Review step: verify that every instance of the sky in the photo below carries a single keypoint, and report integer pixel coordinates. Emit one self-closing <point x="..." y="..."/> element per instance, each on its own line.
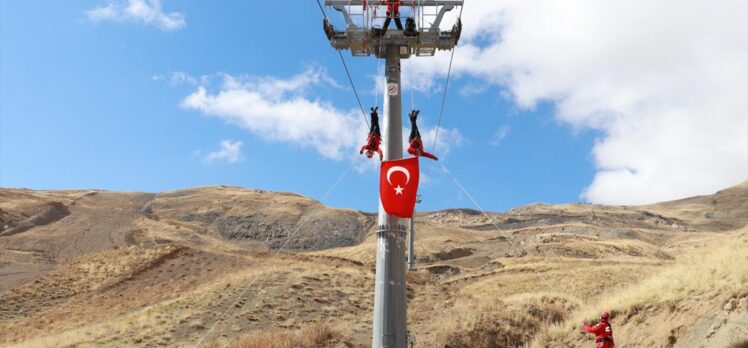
<point x="628" y="102"/>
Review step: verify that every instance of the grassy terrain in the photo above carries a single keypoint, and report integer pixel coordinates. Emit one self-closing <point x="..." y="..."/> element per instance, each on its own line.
<point x="171" y="268"/>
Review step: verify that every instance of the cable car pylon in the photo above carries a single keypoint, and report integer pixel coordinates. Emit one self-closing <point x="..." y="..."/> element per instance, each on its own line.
<point x="363" y="38"/>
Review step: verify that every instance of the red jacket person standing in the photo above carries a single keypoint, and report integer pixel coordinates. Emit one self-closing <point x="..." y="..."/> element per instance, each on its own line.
<point x="393" y="11"/>
<point x="603" y="332"/>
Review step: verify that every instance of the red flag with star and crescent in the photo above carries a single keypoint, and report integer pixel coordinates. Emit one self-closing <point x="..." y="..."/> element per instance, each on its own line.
<point x="398" y="185"/>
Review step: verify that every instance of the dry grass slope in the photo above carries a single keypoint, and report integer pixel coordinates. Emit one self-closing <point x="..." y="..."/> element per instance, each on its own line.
<point x="714" y="270"/>
<point x="153" y="270"/>
<point x="311" y="336"/>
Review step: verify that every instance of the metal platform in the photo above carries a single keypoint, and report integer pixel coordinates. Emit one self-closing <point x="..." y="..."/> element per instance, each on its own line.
<point x="361" y="23"/>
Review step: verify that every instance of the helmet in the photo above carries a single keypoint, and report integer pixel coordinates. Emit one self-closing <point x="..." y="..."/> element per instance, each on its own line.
<point x="604" y="315"/>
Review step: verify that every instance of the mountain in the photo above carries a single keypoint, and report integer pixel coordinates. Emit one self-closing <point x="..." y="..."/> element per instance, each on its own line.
<point x="93" y="268"/>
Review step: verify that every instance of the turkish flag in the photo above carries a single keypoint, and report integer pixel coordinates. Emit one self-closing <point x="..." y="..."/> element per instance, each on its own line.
<point x="398" y="185"/>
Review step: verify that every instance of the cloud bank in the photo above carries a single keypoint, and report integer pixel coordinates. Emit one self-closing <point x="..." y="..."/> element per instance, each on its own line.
<point x="148" y="12"/>
<point x="665" y="83"/>
<point x="282" y="110"/>
<point x="279" y="110"/>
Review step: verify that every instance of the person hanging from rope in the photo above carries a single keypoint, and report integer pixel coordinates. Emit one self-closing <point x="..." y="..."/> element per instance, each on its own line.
<point x="416" y="145"/>
<point x="375" y="137"/>
<point x="393" y="11"/>
<point x="603" y="331"/>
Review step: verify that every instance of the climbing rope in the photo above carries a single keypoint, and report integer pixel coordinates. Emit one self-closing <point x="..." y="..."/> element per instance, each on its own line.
<point x="348" y="73"/>
<point x="457" y="182"/>
<point x="503" y="234"/>
<point x="446" y="85"/>
<point x="376" y="83"/>
<point x="410" y="82"/>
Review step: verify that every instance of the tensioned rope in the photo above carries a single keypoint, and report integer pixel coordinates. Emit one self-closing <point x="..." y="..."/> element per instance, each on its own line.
<point x="363" y="113"/>
<point x="376" y="83"/>
<point x="457" y="182"/>
<point x="269" y="261"/>
<point x="508" y="239"/>
<point x="446" y="85"/>
<point x="348" y="73"/>
<point x="412" y="97"/>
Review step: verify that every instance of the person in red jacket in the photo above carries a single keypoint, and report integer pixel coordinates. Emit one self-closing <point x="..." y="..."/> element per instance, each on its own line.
<point x="393" y="11"/>
<point x="416" y="145"/>
<point x="375" y="137"/>
<point x="603" y="332"/>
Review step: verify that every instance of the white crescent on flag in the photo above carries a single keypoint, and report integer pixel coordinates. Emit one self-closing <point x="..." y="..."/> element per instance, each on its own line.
<point x="398" y="169"/>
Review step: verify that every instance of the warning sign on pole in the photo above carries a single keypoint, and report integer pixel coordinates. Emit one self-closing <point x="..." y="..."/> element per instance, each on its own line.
<point x="392" y="89"/>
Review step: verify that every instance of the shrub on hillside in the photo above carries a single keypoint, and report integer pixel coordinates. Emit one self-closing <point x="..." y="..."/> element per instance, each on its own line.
<point x="311" y="336"/>
<point x="503" y="325"/>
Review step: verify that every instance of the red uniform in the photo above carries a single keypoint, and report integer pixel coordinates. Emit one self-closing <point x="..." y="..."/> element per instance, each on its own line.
<point x="603" y="332"/>
<point x="393" y="6"/>
<point x="416" y="145"/>
<point x="416" y="149"/>
<point x="371" y="146"/>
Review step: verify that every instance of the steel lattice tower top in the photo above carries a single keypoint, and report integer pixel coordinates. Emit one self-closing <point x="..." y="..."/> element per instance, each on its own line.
<point x="360" y="16"/>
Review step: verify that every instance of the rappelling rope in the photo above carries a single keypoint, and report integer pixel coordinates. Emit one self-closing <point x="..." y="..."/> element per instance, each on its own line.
<point x="269" y="262"/>
<point x="457" y="182"/>
<point x="446" y="85"/>
<point x="363" y="113"/>
<point x="348" y="73"/>
<point x="410" y="82"/>
<point x="376" y="83"/>
<point x="507" y="237"/>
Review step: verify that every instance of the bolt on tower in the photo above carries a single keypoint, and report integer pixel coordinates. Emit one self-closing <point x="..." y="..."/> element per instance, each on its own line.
<point x="421" y="36"/>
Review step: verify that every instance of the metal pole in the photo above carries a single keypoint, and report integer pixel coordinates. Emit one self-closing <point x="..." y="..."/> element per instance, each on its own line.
<point x="390" y="321"/>
<point x="411" y="239"/>
<point x="411" y="253"/>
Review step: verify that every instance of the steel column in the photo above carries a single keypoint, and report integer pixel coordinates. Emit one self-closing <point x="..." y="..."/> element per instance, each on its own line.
<point x="390" y="329"/>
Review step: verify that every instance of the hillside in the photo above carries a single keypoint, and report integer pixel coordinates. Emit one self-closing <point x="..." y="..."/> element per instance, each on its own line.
<point x="97" y="268"/>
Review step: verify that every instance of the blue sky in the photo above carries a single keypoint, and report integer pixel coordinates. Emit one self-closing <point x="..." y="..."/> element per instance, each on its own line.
<point x="102" y="102"/>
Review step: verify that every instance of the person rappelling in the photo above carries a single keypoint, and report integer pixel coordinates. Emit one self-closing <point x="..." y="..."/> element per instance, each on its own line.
<point x="416" y="145"/>
<point x="603" y="331"/>
<point x="375" y="137"/>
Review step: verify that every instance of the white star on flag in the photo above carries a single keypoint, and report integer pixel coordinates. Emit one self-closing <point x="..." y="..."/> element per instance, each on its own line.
<point x="398" y="190"/>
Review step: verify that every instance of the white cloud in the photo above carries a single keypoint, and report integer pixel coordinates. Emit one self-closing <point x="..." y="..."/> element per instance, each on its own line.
<point x="279" y="110"/>
<point x="500" y="135"/>
<point x="230" y="152"/>
<point x="176" y="78"/>
<point x="446" y="140"/>
<point x="147" y="12"/>
<point x="664" y="82"/>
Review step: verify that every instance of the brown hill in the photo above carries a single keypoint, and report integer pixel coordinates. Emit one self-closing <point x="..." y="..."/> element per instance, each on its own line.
<point x="99" y="268"/>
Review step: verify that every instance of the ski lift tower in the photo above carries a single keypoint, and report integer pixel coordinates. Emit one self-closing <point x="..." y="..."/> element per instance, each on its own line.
<point x="363" y="38"/>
